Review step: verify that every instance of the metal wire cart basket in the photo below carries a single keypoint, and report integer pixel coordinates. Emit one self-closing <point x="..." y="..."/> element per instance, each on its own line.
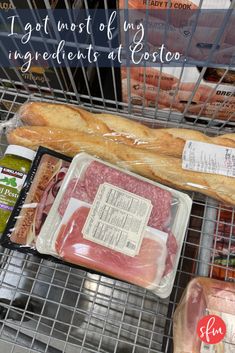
<point x="52" y="308"/>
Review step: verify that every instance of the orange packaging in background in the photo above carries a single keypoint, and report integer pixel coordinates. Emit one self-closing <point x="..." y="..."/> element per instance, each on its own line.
<point x="152" y="87"/>
<point x="168" y="88"/>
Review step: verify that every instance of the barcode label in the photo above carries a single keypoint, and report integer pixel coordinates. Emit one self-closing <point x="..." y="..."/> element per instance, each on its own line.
<point x="117" y="219"/>
<point x="207" y="348"/>
<point x="209" y="158"/>
<point x="131" y="245"/>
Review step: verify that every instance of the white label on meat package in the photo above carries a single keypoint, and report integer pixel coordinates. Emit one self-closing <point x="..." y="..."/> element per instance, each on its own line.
<point x="208" y="158"/>
<point x="227" y="345"/>
<point x="117" y="219"/>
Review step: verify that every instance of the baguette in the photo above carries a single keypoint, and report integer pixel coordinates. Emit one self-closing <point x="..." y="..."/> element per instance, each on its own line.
<point x="158" y="167"/>
<point x="165" y="141"/>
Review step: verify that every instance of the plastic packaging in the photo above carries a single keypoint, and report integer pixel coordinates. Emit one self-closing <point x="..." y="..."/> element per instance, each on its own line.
<point x="203" y="297"/>
<point x="14" y="167"/>
<point x="159" y="167"/>
<point x="212" y="99"/>
<point x="115" y="222"/>
<point x="172" y="88"/>
<point x="153" y="153"/>
<point x="35" y="200"/>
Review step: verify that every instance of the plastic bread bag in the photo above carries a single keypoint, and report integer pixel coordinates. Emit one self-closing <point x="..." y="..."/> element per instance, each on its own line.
<point x="204" y="297"/>
<point x="161" y="158"/>
<point x="117" y="223"/>
<point x="35" y="200"/>
<point x="166" y="141"/>
<point x="7" y="125"/>
<point x="158" y="167"/>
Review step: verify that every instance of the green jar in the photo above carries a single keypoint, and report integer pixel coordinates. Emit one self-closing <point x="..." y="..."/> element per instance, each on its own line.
<point x="14" y="167"/>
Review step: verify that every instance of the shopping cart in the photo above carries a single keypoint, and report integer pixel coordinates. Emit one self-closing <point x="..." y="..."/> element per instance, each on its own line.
<point x="52" y="308"/>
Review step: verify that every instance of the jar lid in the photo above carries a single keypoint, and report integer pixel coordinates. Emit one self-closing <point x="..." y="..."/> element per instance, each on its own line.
<point x="20" y="151"/>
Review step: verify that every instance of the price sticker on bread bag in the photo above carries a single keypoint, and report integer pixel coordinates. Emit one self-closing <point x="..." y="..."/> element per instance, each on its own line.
<point x="117" y="219"/>
<point x="209" y="158"/>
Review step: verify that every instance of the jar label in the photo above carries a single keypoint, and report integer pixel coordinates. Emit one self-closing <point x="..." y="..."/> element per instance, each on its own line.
<point x="12" y="178"/>
<point x="11" y="181"/>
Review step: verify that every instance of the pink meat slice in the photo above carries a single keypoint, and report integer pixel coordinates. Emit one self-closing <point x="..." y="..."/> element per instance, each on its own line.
<point x="143" y="269"/>
<point x="172" y="248"/>
<point x="200" y="294"/>
<point x="48" y="197"/>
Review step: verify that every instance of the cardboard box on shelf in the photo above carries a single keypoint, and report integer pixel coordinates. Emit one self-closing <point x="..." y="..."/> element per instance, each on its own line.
<point x="153" y="86"/>
<point x="174" y="4"/>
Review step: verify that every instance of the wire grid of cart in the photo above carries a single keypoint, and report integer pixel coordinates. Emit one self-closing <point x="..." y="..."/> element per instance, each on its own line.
<point x="53" y="308"/>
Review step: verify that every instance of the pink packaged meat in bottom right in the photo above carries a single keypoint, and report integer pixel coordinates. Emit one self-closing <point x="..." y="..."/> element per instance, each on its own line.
<point x="205" y="315"/>
<point x="117" y="223"/>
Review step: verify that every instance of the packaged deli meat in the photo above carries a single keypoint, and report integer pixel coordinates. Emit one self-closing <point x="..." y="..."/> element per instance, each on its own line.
<point x="36" y="198"/>
<point x="117" y="223"/>
<point x="193" y="330"/>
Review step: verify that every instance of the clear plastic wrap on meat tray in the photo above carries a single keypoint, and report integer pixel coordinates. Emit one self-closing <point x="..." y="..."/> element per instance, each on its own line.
<point x="204" y="297"/>
<point x="35" y="200"/>
<point x="118" y="223"/>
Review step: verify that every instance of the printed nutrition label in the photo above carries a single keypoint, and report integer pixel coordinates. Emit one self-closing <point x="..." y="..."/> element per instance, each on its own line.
<point x="11" y="181"/>
<point x="209" y="158"/>
<point x="117" y="219"/>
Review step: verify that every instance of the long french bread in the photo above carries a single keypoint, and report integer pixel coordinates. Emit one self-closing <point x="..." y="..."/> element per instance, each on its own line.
<point x="165" y="141"/>
<point x="162" y="168"/>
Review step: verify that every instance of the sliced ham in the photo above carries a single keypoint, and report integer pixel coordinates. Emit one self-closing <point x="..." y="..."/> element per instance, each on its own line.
<point x="48" y="198"/>
<point x="40" y="197"/>
<point x="144" y="269"/>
